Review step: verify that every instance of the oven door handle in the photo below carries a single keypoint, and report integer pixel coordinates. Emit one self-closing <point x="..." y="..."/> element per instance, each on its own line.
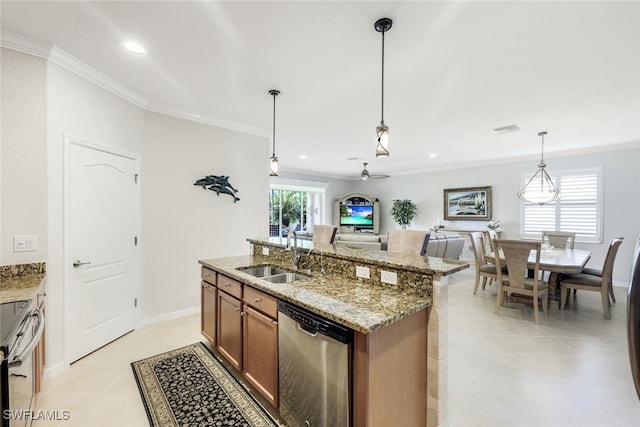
<point x="17" y="361"/>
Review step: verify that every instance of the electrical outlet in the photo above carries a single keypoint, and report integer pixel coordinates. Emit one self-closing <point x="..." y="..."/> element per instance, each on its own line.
<point x="25" y="243"/>
<point x="389" y="277"/>
<point x="265" y="250"/>
<point x="363" y="272"/>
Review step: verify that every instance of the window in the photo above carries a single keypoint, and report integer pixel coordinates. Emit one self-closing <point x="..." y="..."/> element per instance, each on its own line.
<point x="579" y="207"/>
<point x="295" y="207"/>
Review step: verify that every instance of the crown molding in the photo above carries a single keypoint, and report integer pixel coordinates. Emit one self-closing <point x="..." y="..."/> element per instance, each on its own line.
<point x="169" y="110"/>
<point x="71" y="63"/>
<point x="59" y="57"/>
<point x="25" y="44"/>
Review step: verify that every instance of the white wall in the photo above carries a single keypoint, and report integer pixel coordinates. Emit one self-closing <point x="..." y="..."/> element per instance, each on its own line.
<point x="79" y="108"/>
<point x="621" y="171"/>
<point x="24" y="156"/>
<point x="183" y="223"/>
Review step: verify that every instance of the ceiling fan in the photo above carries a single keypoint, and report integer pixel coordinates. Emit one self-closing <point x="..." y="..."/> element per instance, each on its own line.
<point x="365" y="175"/>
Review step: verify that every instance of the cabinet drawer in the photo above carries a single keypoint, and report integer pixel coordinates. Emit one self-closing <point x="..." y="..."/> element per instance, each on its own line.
<point x="230" y="286"/>
<point x="208" y="275"/>
<point x="261" y="301"/>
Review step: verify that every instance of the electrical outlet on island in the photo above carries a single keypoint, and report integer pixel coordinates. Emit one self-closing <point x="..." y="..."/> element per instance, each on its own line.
<point x="363" y="272"/>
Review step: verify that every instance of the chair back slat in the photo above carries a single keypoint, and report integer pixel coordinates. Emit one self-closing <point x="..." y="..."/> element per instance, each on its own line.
<point x="412" y="242"/>
<point x="516" y="257"/>
<point x="607" y="268"/>
<point x="477" y="244"/>
<point x="324" y="234"/>
<point x="559" y="239"/>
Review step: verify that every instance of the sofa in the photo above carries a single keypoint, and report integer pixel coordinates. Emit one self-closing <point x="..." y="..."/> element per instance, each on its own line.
<point x="360" y="240"/>
<point x="441" y="244"/>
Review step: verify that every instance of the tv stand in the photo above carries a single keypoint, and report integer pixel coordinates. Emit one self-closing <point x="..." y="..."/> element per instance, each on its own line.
<point x="357" y="199"/>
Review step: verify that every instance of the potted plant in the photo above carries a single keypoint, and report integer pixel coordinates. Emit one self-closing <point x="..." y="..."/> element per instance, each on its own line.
<point x="403" y="212"/>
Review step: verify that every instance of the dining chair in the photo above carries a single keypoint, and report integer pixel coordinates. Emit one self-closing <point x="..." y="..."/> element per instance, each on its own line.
<point x="483" y="268"/>
<point x="559" y="239"/>
<point x="412" y="242"/>
<point x="517" y="280"/>
<point x="593" y="282"/>
<point x="324" y="234"/>
<point x="492" y="235"/>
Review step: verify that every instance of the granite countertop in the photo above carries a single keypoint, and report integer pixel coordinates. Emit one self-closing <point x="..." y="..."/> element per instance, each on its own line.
<point x="415" y="263"/>
<point x="364" y="308"/>
<point x="21" y="287"/>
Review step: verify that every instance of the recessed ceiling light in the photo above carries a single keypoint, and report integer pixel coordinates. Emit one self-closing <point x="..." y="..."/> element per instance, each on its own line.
<point x="432" y="155"/>
<point x="303" y="156"/>
<point x="133" y="47"/>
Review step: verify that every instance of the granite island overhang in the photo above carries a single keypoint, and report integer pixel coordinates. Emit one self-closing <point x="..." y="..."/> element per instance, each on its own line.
<point x="365" y="305"/>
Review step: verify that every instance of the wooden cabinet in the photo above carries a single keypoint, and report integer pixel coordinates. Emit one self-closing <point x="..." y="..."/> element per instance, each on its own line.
<point x="208" y="305"/>
<point x="260" y="341"/>
<point x="241" y="322"/>
<point x="208" y="312"/>
<point x="230" y="328"/>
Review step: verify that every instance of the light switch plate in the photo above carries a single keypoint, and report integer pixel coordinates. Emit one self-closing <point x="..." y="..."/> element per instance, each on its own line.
<point x="363" y="272"/>
<point x="265" y="250"/>
<point x="25" y="243"/>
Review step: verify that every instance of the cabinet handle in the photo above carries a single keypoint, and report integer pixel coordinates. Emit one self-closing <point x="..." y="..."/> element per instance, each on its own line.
<point x="257" y="300"/>
<point x="242" y="313"/>
<point x="227" y="285"/>
<point x="237" y="309"/>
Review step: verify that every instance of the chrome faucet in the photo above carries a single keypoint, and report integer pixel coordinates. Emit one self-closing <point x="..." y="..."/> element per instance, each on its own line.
<point x="296" y="250"/>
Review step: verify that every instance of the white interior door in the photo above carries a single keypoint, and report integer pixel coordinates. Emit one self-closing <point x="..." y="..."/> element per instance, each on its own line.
<point x="101" y="260"/>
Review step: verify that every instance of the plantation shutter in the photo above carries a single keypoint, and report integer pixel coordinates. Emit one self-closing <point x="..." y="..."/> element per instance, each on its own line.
<point x="578" y="209"/>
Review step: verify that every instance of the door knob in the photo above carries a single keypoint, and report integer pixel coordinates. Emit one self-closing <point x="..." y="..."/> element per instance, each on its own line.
<point x="77" y="263"/>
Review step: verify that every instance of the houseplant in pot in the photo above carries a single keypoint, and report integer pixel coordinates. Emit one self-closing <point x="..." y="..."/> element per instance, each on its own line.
<point x="403" y="212"/>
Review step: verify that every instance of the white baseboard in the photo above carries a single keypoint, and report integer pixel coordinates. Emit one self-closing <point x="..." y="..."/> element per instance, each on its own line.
<point x="52" y="371"/>
<point x="169" y="316"/>
<point x="621" y="284"/>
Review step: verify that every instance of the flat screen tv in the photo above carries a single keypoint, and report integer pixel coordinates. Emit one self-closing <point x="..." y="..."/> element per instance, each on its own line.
<point x="357" y="215"/>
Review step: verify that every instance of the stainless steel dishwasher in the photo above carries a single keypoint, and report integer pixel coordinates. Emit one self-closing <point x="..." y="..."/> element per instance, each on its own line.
<point x="315" y="369"/>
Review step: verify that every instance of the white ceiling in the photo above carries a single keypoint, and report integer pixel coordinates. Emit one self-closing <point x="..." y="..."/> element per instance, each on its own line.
<point x="454" y="71"/>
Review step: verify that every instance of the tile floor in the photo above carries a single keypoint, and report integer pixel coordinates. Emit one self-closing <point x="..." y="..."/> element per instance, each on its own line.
<point x="571" y="370"/>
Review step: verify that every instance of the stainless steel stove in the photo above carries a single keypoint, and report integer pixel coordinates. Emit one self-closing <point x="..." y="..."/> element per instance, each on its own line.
<point x="21" y="326"/>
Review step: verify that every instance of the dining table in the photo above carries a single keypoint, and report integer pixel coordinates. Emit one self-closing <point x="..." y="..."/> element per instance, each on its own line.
<point x="556" y="261"/>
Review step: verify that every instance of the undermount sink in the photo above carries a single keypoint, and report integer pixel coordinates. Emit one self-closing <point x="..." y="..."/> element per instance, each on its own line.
<point x="273" y="274"/>
<point x="285" y="278"/>
<point x="263" y="271"/>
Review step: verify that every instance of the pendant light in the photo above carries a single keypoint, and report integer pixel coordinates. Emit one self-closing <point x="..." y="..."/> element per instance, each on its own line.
<point x="540" y="189"/>
<point x="382" y="25"/>
<point x="364" y="175"/>
<point x="273" y="160"/>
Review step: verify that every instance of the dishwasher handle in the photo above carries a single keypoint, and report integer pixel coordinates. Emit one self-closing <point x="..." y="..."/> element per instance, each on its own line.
<point x="307" y="330"/>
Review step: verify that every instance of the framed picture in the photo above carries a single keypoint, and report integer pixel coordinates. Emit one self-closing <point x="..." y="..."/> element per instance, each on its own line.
<point x="468" y="204"/>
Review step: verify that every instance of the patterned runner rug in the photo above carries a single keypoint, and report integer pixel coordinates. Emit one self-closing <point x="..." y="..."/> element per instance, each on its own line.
<point x="189" y="387"/>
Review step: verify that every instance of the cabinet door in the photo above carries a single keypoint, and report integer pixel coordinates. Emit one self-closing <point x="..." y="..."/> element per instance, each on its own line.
<point x="261" y="353"/>
<point x="230" y="329"/>
<point x="208" y="302"/>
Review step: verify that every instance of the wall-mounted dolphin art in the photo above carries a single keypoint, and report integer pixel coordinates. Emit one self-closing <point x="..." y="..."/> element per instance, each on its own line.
<point x="219" y="184"/>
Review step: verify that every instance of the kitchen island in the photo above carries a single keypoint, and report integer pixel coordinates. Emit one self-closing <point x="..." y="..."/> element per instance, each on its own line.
<point x="397" y="373"/>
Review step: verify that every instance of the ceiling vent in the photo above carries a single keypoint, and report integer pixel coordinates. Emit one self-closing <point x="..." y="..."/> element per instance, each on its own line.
<point x="507" y="129"/>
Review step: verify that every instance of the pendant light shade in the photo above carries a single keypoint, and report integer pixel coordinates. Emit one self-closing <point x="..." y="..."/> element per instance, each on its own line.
<point x="273" y="160"/>
<point x="364" y="175"/>
<point x="382" y="25"/>
<point x="540" y="189"/>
